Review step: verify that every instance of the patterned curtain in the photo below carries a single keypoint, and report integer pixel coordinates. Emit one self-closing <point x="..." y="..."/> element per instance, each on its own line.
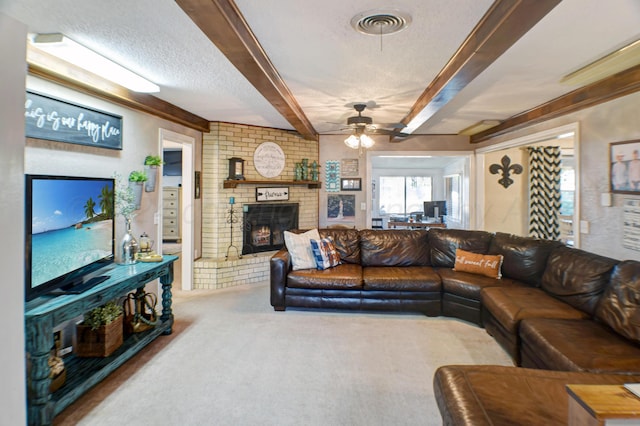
<point x="544" y="192"/>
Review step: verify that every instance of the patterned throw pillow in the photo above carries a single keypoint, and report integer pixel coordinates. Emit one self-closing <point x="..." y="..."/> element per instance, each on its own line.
<point x="299" y="247"/>
<point x="325" y="253"/>
<point x="482" y="264"/>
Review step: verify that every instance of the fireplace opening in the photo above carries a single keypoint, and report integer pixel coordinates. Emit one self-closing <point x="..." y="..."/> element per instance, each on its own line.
<point x="264" y="226"/>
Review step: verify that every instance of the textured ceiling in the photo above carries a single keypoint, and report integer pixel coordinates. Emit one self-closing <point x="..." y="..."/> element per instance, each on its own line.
<point x="328" y="66"/>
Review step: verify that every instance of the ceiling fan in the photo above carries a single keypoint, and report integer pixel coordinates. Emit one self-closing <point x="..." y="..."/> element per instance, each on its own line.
<point x="367" y="123"/>
<point x="362" y="125"/>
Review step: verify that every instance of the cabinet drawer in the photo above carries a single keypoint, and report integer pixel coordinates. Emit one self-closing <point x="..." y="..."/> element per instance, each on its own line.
<point x="170" y="232"/>
<point x="168" y="223"/>
<point x="170" y="194"/>
<point x="169" y="213"/>
<point x="170" y="204"/>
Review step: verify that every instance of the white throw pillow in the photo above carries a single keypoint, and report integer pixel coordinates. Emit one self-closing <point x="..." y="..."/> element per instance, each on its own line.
<point x="299" y="247"/>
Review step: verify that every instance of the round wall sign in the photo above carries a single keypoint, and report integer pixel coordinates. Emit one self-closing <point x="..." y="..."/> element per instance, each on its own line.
<point x="268" y="159"/>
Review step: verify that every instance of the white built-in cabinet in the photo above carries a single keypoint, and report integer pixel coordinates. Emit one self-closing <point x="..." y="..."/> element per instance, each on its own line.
<point x="171" y="213"/>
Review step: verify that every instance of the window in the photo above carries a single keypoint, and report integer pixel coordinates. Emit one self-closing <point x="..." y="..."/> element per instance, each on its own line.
<point x="454" y="196"/>
<point x="403" y="194"/>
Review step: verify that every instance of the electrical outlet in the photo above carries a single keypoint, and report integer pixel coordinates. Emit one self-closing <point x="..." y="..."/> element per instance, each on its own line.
<point x="156" y="218"/>
<point x="363" y="206"/>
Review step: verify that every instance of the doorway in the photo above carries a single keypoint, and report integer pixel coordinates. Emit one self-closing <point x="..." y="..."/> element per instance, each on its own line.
<point x="511" y="213"/>
<point x="443" y="174"/>
<point x="184" y="245"/>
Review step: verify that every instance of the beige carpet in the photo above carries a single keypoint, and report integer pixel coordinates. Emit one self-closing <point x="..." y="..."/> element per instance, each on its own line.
<point x="232" y="360"/>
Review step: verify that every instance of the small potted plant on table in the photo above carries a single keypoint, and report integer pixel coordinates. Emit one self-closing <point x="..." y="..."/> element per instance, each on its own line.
<point x="101" y="332"/>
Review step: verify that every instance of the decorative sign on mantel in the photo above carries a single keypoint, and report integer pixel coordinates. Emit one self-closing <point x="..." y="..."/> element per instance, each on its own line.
<point x="272" y="194"/>
<point x="55" y="120"/>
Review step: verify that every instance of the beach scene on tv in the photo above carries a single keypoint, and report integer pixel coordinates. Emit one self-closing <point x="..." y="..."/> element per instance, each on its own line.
<point x="72" y="225"/>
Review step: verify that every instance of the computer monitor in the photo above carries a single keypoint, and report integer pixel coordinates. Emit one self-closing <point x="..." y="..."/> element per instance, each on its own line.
<point x="435" y="208"/>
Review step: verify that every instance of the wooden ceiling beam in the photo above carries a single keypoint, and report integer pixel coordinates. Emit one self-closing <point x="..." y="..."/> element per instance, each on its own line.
<point x="620" y="84"/>
<point x="48" y="67"/>
<point x="222" y="22"/>
<point x="503" y="24"/>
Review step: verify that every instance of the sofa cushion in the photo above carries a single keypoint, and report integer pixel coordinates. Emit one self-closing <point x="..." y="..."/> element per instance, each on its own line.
<point x="469" y="285"/>
<point x="480" y="264"/>
<point x="619" y="305"/>
<point x="577" y="277"/>
<point x="576" y="345"/>
<point x="510" y="305"/>
<point x="444" y="242"/>
<point x="346" y="241"/>
<point x="401" y="278"/>
<point x="325" y="253"/>
<point x="491" y="395"/>
<point x="394" y="247"/>
<point x="299" y="247"/>
<point x="345" y="276"/>
<point x="524" y="258"/>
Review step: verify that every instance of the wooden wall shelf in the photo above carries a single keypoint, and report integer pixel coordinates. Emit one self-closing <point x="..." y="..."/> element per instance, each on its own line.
<point x="311" y="184"/>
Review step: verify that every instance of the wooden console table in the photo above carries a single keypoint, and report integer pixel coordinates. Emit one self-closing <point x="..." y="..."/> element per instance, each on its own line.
<point x="44" y="313"/>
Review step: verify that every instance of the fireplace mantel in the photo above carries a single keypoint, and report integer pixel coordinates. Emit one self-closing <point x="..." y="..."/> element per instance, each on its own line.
<point x="311" y="184"/>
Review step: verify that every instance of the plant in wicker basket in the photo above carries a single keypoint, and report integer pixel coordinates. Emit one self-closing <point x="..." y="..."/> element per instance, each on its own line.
<point x="100" y="334"/>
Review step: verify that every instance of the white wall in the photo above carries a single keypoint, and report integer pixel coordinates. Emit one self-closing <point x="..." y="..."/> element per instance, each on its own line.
<point x="613" y="121"/>
<point x="139" y="139"/>
<point x="13" y="36"/>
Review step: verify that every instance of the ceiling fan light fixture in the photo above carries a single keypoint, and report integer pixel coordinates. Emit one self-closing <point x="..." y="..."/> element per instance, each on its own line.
<point x="366" y="141"/>
<point x="352" y="142"/>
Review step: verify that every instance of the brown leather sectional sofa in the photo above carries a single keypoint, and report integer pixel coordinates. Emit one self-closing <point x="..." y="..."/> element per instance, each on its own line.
<point x="564" y="315"/>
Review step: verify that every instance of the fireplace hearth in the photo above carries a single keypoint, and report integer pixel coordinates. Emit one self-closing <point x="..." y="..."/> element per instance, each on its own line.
<point x="264" y="226"/>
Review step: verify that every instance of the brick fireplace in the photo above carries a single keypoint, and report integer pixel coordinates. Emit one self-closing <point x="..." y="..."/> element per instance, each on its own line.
<point x="224" y="141"/>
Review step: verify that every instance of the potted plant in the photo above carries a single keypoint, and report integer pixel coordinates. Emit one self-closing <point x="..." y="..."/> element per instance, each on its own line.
<point x="136" y="179"/>
<point x="100" y="333"/>
<point x="151" y="163"/>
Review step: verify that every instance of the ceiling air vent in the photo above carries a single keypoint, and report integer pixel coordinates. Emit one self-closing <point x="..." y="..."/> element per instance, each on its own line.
<point x="380" y="22"/>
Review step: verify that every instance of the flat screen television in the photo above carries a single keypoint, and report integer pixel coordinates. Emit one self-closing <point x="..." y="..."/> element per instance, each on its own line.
<point x="69" y="233"/>
<point x="435" y="208"/>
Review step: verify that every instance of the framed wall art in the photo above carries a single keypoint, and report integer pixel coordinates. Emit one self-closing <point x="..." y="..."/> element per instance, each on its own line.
<point x="624" y="163"/>
<point x="341" y="208"/>
<point x="349" y="167"/>
<point x="332" y="175"/>
<point x="61" y="121"/>
<point x="351" y="184"/>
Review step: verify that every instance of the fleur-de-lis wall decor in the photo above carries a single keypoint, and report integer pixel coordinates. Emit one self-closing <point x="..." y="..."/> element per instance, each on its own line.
<point x="506" y="168"/>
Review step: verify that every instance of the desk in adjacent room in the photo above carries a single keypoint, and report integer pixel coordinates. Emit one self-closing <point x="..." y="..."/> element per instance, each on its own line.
<point x="416" y="225"/>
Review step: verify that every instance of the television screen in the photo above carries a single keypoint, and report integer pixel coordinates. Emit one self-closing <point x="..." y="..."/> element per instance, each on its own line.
<point x="69" y="231"/>
<point x="435" y="208"/>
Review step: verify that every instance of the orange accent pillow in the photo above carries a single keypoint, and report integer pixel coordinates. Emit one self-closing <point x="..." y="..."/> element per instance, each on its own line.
<point x="481" y="264"/>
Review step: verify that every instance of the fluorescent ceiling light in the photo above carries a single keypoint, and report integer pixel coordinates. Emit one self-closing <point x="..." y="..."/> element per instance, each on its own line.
<point x="66" y="49"/>
<point x="479" y="127"/>
<point x="620" y="60"/>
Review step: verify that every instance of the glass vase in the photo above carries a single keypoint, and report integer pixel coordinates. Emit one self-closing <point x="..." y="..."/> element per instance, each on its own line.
<point x="129" y="246"/>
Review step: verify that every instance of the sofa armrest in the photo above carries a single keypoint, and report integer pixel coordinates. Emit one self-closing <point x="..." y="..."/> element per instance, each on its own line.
<point x="280" y="265"/>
